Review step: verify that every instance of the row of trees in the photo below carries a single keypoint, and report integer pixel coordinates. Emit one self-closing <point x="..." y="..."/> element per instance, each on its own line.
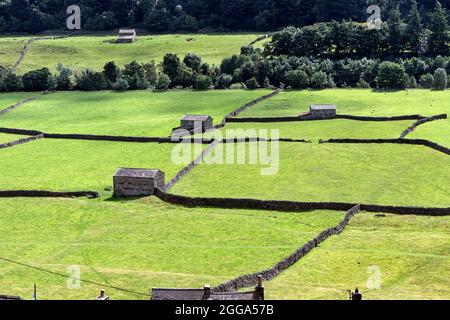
<point x="191" y="15"/>
<point x="249" y="70"/>
<point x="398" y="36"/>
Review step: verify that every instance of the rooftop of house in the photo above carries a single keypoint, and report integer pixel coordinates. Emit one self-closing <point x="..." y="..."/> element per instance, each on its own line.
<point x="323" y="107"/>
<point x="196" y="117"/>
<point x="127" y="31"/>
<point x="177" y="294"/>
<point x="137" y="173"/>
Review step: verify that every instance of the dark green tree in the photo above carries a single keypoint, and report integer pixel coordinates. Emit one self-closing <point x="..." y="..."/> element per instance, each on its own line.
<point x="439" y="38"/>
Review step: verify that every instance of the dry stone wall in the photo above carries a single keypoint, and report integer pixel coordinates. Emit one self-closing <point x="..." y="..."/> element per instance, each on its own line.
<point x="20" y="141"/>
<point x="14" y="106"/>
<point x="293" y="206"/>
<point x="46" y="194"/>
<point x="421" y="122"/>
<point x="268" y="274"/>
<point x="421" y="142"/>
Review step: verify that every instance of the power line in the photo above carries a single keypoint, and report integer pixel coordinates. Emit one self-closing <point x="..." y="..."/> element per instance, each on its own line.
<point x="75" y="278"/>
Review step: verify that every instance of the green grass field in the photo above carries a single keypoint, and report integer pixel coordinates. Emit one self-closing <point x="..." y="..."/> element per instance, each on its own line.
<point x="141" y="244"/>
<point x="8" y="99"/>
<point x="355" y="102"/>
<point x="378" y="174"/>
<point x="138" y="113"/>
<point x="4" y="138"/>
<point x="315" y="130"/>
<point x="411" y="254"/>
<point x="437" y="131"/>
<point x="72" y="165"/>
<point x="94" y="51"/>
<point x="10" y="48"/>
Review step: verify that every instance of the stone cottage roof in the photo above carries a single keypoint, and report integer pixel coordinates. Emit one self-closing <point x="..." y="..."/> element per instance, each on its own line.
<point x="177" y="294"/>
<point x="196" y="117"/>
<point x="137" y="173"/>
<point x="323" y="107"/>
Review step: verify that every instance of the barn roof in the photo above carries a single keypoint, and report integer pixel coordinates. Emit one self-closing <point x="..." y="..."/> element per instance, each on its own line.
<point x="323" y="107"/>
<point x="196" y="117"/>
<point x="127" y="31"/>
<point x="177" y="294"/>
<point x="137" y="173"/>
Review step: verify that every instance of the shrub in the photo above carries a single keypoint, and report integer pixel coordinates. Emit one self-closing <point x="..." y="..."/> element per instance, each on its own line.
<point x="426" y="81"/>
<point x="193" y="61"/>
<point x="186" y="77"/>
<point x="297" y="79"/>
<point x="319" y="80"/>
<point x="362" y="84"/>
<point x="440" y="79"/>
<point x="63" y="78"/>
<point x="252" y="84"/>
<point x="412" y="83"/>
<point x="391" y="76"/>
<point x="223" y="81"/>
<point x="111" y="71"/>
<point x="163" y="82"/>
<point x="134" y="73"/>
<point x="120" y="85"/>
<point x="202" y="82"/>
<point x="11" y="82"/>
<point x="38" y="80"/>
<point x="90" y="80"/>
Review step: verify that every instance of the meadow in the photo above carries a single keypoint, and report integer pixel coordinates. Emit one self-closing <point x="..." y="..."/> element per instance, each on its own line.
<point x="74" y="165"/>
<point x="134" y="113"/>
<point x="93" y="52"/>
<point x="8" y="99"/>
<point x="141" y="244"/>
<point x="10" y="48"/>
<point x="385" y="174"/>
<point x="360" y="102"/>
<point x="316" y="130"/>
<point x="408" y="256"/>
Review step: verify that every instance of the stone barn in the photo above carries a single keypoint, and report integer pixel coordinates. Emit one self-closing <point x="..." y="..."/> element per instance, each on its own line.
<point x="126" y="36"/>
<point x="130" y="182"/>
<point x="320" y="111"/>
<point x="195" y="124"/>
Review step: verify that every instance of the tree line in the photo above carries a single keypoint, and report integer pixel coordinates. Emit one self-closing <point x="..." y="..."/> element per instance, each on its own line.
<point x="193" y="15"/>
<point x="248" y="70"/>
<point x="399" y="35"/>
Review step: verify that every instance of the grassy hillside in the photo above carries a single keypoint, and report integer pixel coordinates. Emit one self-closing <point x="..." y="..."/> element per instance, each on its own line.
<point x="356" y="102"/>
<point x="411" y="254"/>
<point x="94" y="51"/>
<point x="135" y="113"/>
<point x="141" y="244"/>
<point x="437" y="131"/>
<point x="380" y="174"/>
<point x="8" y="99"/>
<point x="315" y="130"/>
<point x="10" y="48"/>
<point x="61" y="165"/>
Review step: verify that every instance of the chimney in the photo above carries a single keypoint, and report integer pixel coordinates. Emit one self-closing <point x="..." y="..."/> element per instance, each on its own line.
<point x="207" y="292"/>
<point x="102" y="295"/>
<point x="259" y="290"/>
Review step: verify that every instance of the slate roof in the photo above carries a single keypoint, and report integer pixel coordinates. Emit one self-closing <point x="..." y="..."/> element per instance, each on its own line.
<point x="196" y="117"/>
<point x="323" y="107"/>
<point x="177" y="294"/>
<point x="6" y="297"/>
<point x="137" y="173"/>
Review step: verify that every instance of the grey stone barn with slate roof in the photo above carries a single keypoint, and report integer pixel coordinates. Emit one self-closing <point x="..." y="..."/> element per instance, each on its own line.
<point x="129" y="182"/>
<point x="320" y="111"/>
<point x="195" y="123"/>
<point x="126" y="36"/>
